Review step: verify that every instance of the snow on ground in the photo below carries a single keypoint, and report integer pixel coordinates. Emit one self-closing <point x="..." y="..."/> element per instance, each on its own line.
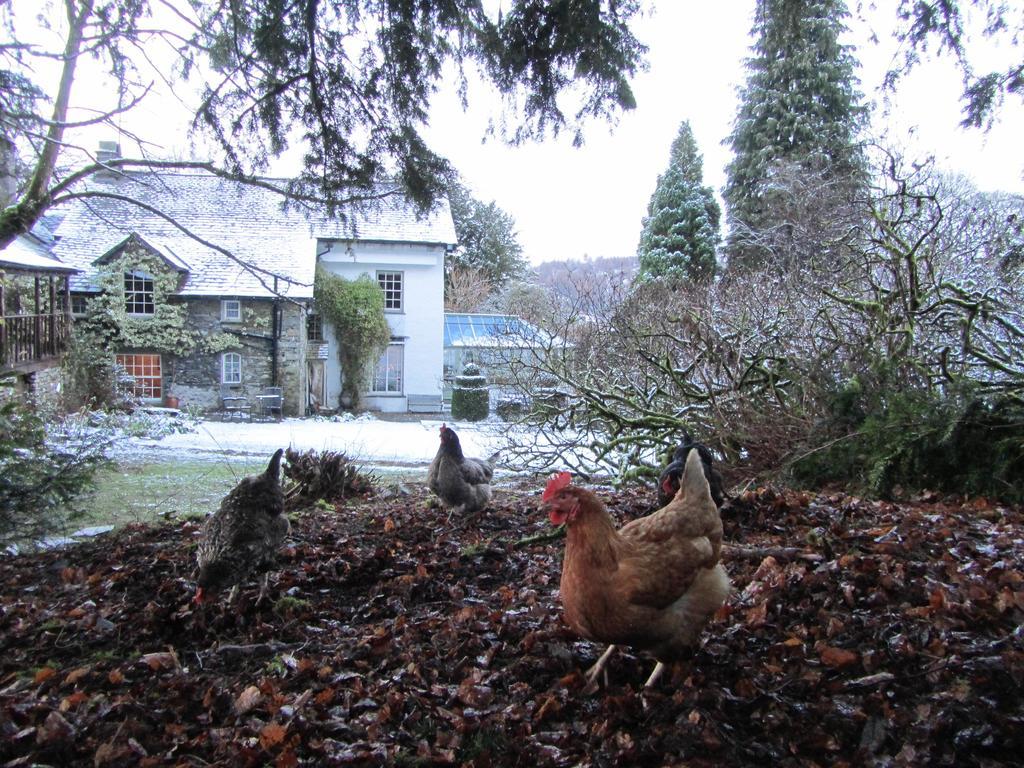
<point x="365" y="439"/>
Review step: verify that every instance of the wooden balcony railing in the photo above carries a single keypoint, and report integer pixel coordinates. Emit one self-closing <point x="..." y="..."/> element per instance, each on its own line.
<point x="26" y="340"/>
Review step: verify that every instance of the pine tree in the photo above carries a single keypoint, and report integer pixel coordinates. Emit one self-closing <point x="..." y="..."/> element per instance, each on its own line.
<point x="800" y="106"/>
<point x="488" y="241"/>
<point x="681" y="229"/>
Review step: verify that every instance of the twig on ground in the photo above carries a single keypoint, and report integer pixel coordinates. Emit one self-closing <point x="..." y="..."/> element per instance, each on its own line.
<point x="737" y="552"/>
<point x="541" y="538"/>
<point x="255" y="649"/>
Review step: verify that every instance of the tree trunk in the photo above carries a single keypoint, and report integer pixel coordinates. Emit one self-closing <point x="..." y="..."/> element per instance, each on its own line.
<point x="21" y="216"/>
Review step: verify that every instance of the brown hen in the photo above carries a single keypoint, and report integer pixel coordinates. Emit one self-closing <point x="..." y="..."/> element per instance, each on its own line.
<point x="653" y="584"/>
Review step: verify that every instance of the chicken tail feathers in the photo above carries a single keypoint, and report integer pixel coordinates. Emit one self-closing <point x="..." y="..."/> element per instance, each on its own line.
<point x="274" y="467"/>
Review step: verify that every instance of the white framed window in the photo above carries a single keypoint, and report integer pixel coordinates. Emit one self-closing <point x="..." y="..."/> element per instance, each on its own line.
<point x="391" y="284"/>
<point x="79" y="304"/>
<point x="231" y="368"/>
<point x="388" y="373"/>
<point x="138" y="293"/>
<point x="314" y="327"/>
<point x="231" y="311"/>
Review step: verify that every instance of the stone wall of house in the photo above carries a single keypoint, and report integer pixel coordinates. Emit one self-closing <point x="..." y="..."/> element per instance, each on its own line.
<point x="42" y="389"/>
<point x="291" y="365"/>
<point x="47" y="389"/>
<point x="195" y="379"/>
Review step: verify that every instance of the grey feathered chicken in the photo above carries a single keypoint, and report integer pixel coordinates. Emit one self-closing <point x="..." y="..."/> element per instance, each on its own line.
<point x="668" y="483"/>
<point x="243" y="536"/>
<point x="463" y="484"/>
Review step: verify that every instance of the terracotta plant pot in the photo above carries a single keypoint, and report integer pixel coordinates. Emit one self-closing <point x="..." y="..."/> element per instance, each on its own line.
<point x="170" y="401"/>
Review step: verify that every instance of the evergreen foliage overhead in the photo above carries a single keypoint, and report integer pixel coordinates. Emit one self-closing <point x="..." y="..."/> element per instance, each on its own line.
<point x="800" y="104"/>
<point x="351" y="82"/>
<point x="945" y="26"/>
<point x="681" y="229"/>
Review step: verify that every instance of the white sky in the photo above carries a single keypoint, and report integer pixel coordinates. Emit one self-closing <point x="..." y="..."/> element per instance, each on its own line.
<point x="574" y="202"/>
<point x="571" y="203"/>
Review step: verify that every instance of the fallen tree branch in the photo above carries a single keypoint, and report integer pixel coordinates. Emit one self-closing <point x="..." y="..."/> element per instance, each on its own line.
<point x="255" y="649"/>
<point x="737" y="552"/>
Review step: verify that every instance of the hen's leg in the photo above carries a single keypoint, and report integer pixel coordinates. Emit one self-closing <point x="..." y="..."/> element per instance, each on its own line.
<point x="232" y="595"/>
<point x="658" y="669"/>
<point x="456" y="510"/>
<point x="264" y="584"/>
<point x="596" y="670"/>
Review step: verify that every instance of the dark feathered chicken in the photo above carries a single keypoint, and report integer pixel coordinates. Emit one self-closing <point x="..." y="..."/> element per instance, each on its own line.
<point x="243" y="536"/>
<point x="668" y="483"/>
<point x="463" y="484"/>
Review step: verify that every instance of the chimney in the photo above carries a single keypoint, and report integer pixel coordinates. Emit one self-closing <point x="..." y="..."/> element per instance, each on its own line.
<point x="109" y="150"/>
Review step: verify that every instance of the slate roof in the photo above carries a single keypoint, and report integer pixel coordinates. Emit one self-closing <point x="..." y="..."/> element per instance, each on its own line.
<point x="246" y="221"/>
<point x="170" y="258"/>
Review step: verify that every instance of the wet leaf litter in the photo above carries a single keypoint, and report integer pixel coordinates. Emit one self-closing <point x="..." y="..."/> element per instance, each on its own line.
<point x="858" y="632"/>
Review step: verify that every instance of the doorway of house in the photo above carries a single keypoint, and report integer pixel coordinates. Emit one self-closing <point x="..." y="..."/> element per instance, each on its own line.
<point x="316" y="382"/>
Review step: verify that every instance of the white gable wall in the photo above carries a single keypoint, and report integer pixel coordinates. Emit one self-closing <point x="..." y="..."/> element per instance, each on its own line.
<point x="420" y="325"/>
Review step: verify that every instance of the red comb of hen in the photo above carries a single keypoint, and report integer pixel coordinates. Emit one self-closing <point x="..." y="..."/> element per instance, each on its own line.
<point x="555" y="484"/>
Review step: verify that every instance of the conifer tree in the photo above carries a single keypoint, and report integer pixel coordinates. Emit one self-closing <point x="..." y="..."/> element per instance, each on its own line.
<point x="800" y="106"/>
<point x="681" y="229"/>
<point x="488" y="241"/>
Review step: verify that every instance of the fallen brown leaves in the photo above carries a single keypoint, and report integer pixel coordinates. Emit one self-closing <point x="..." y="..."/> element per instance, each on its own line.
<point x="873" y="633"/>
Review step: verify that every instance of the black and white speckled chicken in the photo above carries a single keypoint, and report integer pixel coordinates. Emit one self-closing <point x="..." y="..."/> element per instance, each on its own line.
<point x="668" y="483"/>
<point x="463" y="484"/>
<point x="243" y="536"/>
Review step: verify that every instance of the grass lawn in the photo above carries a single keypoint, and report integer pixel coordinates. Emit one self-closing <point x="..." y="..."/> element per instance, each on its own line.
<point x="179" y="487"/>
<point x="131" y="492"/>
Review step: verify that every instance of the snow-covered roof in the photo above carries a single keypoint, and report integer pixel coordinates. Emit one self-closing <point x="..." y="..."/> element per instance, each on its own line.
<point x="155" y="246"/>
<point x="483" y="330"/>
<point x="235" y="239"/>
<point x="29" y="253"/>
<point x="391" y="219"/>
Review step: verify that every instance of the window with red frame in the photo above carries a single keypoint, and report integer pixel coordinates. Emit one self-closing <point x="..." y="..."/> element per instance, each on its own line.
<point x="147" y="374"/>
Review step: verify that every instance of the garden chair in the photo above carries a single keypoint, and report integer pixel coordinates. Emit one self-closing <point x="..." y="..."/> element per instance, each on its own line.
<point x="271" y="402"/>
<point x="234" y="405"/>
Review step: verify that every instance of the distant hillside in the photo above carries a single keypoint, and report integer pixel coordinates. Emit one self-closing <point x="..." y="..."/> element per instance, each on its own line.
<point x="593" y="280"/>
<point x="613" y="267"/>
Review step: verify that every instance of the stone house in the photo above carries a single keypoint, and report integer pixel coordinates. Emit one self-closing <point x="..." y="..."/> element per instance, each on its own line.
<point x="210" y="283"/>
